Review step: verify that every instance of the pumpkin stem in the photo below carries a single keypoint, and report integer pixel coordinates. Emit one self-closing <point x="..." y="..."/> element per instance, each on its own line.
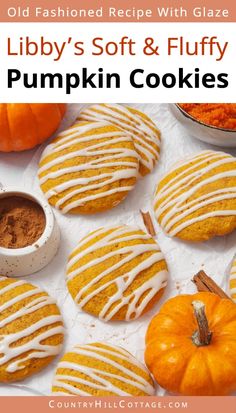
<point x="201" y="337"/>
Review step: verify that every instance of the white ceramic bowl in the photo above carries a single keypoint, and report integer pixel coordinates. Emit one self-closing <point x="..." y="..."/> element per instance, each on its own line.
<point x="206" y="133"/>
<point x="24" y="261"/>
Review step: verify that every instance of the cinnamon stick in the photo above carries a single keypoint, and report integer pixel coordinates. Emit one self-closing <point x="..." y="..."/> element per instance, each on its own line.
<point x="147" y="220"/>
<point x="205" y="283"/>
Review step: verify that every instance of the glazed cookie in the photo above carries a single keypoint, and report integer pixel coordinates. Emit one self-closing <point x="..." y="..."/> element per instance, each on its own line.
<point x="140" y="127"/>
<point x="88" y="168"/>
<point x="116" y="273"/>
<point x="31" y="329"/>
<point x="101" y="369"/>
<point x="232" y="280"/>
<point x="196" y="200"/>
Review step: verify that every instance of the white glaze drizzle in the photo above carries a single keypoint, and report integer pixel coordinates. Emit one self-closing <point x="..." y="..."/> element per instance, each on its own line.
<point x="105" y="158"/>
<point x="143" y="131"/>
<point x="232" y="277"/>
<point x="34" y="345"/>
<point x="93" y="352"/>
<point x="127" y="254"/>
<point x="177" y="206"/>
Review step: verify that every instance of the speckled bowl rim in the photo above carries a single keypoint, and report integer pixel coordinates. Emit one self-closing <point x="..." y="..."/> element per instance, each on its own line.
<point x="8" y="191"/>
<point x="187" y="115"/>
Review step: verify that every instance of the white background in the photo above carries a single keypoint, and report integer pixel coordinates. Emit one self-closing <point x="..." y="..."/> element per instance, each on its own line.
<point x="122" y="64"/>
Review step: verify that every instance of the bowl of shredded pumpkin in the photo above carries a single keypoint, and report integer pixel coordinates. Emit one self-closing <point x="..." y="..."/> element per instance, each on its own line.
<point x="213" y="123"/>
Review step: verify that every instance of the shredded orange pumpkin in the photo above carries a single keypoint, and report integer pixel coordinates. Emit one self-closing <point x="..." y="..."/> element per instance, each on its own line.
<point x="221" y="115"/>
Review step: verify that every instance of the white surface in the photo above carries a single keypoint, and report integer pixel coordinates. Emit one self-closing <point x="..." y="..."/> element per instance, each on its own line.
<point x="183" y="259"/>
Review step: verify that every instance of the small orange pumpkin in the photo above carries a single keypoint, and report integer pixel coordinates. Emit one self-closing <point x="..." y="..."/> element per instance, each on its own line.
<point x="191" y="345"/>
<point x="25" y="125"/>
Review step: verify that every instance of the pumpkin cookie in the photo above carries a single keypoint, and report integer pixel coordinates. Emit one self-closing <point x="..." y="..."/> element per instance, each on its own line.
<point x="101" y="369"/>
<point x="88" y="168"/>
<point x="232" y="280"/>
<point x="116" y="273"/>
<point x="31" y="329"/>
<point x="140" y="127"/>
<point x="196" y="200"/>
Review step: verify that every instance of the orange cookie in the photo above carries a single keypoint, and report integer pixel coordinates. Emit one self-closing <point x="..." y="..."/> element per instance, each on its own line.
<point x="31" y="329"/>
<point x="90" y="167"/>
<point x="140" y="127"/>
<point x="100" y="369"/>
<point x="117" y="273"/>
<point x="196" y="200"/>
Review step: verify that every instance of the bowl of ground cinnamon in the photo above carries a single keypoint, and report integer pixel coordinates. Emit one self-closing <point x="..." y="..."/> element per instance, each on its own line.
<point x="214" y="123"/>
<point x="29" y="234"/>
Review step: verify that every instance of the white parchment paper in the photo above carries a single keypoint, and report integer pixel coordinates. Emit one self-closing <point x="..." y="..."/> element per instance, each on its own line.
<point x="184" y="259"/>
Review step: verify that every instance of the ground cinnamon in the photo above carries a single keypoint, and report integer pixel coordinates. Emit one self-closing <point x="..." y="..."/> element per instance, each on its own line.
<point x="22" y="222"/>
